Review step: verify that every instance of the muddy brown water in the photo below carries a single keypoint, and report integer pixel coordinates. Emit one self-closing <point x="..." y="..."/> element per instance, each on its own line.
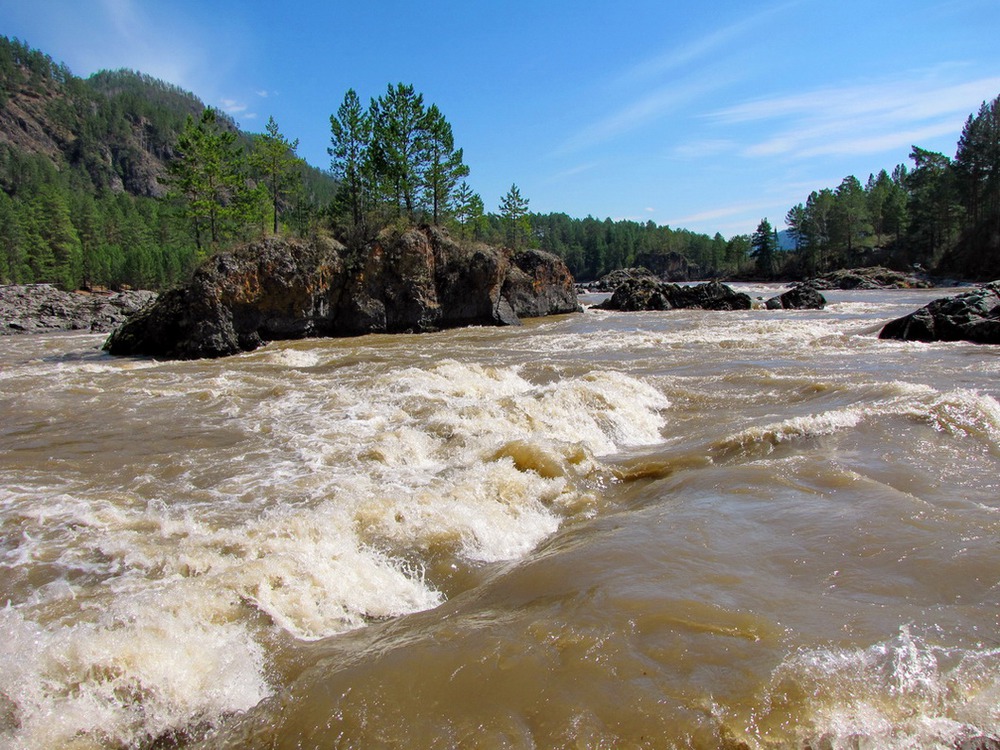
<point x="669" y="530"/>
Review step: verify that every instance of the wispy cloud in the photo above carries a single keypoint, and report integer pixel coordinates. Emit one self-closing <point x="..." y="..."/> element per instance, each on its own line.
<point x="573" y="171"/>
<point x="233" y="107"/>
<point x="867" y="118"/>
<point x="667" y="82"/>
<point x="702" y="148"/>
<point x="704" y="46"/>
<point x="650" y="107"/>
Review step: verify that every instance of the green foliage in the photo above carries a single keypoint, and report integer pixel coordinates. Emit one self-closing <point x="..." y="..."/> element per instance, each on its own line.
<point x="444" y="164"/>
<point x="399" y="149"/>
<point x="764" y="247"/>
<point x="942" y="214"/>
<point x="93" y="213"/>
<point x="351" y="135"/>
<point x="514" y="213"/>
<point x="469" y="212"/>
<point x="206" y="176"/>
<point x="275" y="166"/>
<point x="395" y="159"/>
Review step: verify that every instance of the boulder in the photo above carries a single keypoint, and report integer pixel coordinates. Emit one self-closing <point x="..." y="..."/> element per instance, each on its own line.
<point x="277" y="288"/>
<point x="801" y="297"/>
<point x="649" y="294"/>
<point x="42" y="308"/>
<point x="616" y="278"/>
<point x="973" y="316"/>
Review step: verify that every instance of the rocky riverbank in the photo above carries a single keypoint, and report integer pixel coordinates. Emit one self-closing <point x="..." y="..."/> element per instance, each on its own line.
<point x="41" y="308"/>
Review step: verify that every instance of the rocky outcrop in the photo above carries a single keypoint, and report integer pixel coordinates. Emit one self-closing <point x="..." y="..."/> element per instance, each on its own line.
<point x="418" y="280"/>
<point x="41" y="308"/>
<point x="874" y="277"/>
<point x="973" y="316"/>
<point x="611" y="281"/>
<point x="647" y="293"/>
<point x="801" y="297"/>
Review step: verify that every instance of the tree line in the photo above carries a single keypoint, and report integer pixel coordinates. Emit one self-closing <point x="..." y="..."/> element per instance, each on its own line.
<point x="941" y="215"/>
<point x="148" y="181"/>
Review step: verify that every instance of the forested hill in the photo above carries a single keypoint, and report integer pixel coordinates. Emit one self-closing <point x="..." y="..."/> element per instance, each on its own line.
<point x="82" y="169"/>
<point x="113" y="131"/>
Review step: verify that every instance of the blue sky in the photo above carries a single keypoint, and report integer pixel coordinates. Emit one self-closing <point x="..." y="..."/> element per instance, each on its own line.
<point x="704" y="116"/>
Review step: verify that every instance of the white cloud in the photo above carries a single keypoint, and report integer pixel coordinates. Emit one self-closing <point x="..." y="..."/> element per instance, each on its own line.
<point x="573" y="171"/>
<point x="699" y="48"/>
<point x="867" y="118"/>
<point x="232" y="106"/>
<point x="648" y="108"/>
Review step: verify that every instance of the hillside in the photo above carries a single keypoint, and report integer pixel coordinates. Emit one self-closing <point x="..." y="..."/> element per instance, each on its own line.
<point x="82" y="168"/>
<point x="113" y="131"/>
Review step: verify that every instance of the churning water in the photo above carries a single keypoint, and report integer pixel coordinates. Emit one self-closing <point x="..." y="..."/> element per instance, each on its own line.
<point x="762" y="529"/>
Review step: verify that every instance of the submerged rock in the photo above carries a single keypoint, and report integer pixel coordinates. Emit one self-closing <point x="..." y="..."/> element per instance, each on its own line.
<point x="973" y="316"/>
<point x="801" y="297"/>
<point x="646" y="293"/>
<point x="277" y="288"/>
<point x="41" y="308"/>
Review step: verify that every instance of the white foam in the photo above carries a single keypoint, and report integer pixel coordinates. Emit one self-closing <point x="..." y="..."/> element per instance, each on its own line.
<point x="903" y="693"/>
<point x="133" y="674"/>
<point x="960" y="412"/>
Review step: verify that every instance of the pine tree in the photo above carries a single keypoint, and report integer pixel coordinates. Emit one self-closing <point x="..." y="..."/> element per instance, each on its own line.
<point x="206" y="175"/>
<point x="444" y="164"/>
<point x="276" y="166"/>
<point x="850" y="217"/>
<point x="764" y="245"/>
<point x="351" y="133"/>
<point x="400" y="146"/>
<point x="514" y="214"/>
<point x="55" y="227"/>
<point x="469" y="210"/>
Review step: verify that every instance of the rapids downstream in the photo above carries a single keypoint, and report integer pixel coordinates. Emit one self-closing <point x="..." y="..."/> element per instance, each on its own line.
<point x="760" y="529"/>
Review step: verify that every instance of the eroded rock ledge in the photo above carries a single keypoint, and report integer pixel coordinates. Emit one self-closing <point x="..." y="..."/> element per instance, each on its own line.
<point x="278" y="288"/>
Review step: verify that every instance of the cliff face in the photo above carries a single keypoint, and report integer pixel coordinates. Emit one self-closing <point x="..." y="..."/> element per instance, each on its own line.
<point x="420" y="280"/>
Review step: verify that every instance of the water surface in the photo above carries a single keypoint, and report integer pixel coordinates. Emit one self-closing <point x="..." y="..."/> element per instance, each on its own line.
<point x="681" y="529"/>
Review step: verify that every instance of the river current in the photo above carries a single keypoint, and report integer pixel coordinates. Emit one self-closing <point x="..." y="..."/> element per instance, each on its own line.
<point x="759" y="529"/>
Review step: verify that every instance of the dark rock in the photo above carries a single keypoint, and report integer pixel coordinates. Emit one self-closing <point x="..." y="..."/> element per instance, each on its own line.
<point x="536" y="285"/>
<point x="973" y="316"/>
<point x="649" y="294"/>
<point x="41" y="308"/>
<point x="417" y="280"/>
<point x="874" y="277"/>
<point x="801" y="297"/>
<point x="616" y="278"/>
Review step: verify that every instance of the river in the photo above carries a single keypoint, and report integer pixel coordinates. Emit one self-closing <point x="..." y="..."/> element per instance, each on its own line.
<point x="759" y="529"/>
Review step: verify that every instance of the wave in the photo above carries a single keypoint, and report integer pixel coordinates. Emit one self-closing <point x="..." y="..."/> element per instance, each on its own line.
<point x="959" y="412"/>
<point x="903" y="693"/>
<point x="321" y="512"/>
